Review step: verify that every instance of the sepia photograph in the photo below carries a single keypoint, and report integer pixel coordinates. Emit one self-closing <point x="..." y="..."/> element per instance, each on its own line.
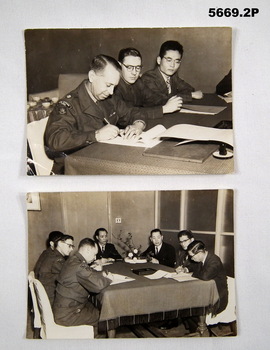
<point x="137" y="264"/>
<point x="129" y="101"/>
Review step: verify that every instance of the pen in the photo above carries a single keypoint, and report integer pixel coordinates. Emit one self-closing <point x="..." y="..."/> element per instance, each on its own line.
<point x="106" y="120"/>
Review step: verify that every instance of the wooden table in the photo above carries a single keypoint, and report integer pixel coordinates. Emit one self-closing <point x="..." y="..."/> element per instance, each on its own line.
<point x="144" y="300"/>
<point x="104" y="159"/>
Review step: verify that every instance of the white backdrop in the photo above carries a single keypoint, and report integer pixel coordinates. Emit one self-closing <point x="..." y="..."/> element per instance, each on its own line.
<point x="251" y="57"/>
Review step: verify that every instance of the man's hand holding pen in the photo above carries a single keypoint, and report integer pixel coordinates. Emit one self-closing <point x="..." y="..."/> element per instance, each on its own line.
<point x="110" y="131"/>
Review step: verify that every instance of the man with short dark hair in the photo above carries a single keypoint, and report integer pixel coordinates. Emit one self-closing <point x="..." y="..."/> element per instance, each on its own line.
<point x="106" y="251"/>
<point x="164" y="80"/>
<point x="135" y="93"/>
<point x="76" y="281"/>
<point x="160" y="252"/>
<point x="91" y="113"/>
<point x="51" y="261"/>
<point x="183" y="262"/>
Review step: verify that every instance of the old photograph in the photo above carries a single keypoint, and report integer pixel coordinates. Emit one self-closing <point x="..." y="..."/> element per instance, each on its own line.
<point x="129" y="101"/>
<point x="141" y="264"/>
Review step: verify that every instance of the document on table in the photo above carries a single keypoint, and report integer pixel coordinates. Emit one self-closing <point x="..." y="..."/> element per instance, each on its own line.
<point x="148" y="139"/>
<point x="188" y="132"/>
<point x="120" y="279"/>
<point x="180" y="277"/>
<point x="198" y="109"/>
<point x="158" y="274"/>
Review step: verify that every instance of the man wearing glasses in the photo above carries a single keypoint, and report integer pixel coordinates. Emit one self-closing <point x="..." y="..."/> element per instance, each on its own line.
<point x="51" y="265"/>
<point x="164" y="80"/>
<point x="133" y="91"/>
<point x="183" y="262"/>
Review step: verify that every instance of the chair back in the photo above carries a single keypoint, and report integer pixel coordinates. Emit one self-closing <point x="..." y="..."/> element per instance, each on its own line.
<point x="35" y="136"/>
<point x="37" y="317"/>
<point x="229" y="314"/>
<point x="44" y="305"/>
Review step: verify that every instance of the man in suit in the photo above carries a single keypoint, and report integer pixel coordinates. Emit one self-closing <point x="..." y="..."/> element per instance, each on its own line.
<point x="91" y="113"/>
<point x="183" y="261"/>
<point x="105" y="250"/>
<point x="210" y="267"/>
<point x="72" y="306"/>
<point x="160" y="252"/>
<point x="135" y="93"/>
<point x="164" y="80"/>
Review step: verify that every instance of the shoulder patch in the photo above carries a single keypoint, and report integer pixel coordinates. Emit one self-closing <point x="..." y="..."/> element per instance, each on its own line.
<point x="64" y="103"/>
<point x="85" y="266"/>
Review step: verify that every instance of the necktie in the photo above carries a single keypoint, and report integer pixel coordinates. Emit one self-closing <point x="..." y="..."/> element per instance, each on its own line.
<point x="168" y="83"/>
<point x="103" y="249"/>
<point x="156" y="251"/>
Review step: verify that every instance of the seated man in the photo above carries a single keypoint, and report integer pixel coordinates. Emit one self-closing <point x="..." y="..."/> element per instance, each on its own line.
<point x="210" y="268"/>
<point x="159" y="252"/>
<point x="49" y="267"/>
<point x="183" y="261"/>
<point x="106" y="251"/>
<point x="133" y="91"/>
<point x="90" y="114"/>
<point x="72" y="306"/>
<point x="53" y="237"/>
<point x="164" y="80"/>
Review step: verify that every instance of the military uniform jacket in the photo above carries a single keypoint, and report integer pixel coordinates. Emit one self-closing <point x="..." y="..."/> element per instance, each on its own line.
<point x="75" y="118"/>
<point x="47" y="270"/>
<point x="75" y="283"/>
<point x="154" y="80"/>
<point x="139" y="95"/>
<point x="109" y="252"/>
<point x="214" y="269"/>
<point x="165" y="256"/>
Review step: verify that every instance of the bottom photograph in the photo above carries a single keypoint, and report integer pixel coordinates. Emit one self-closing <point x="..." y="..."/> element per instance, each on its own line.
<point x="140" y="264"/>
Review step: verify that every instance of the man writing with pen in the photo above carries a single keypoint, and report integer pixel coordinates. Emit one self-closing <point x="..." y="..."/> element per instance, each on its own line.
<point x="91" y="113"/>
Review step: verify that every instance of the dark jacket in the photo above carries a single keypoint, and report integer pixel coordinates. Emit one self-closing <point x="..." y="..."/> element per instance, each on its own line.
<point x="47" y="270"/>
<point x="156" y="83"/>
<point x="166" y="255"/>
<point x="76" y="281"/>
<point x="182" y="259"/>
<point x="214" y="269"/>
<point x="109" y="252"/>
<point x="139" y="95"/>
<point x="76" y="117"/>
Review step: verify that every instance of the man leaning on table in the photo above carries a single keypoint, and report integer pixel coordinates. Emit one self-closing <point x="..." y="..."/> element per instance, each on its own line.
<point x="72" y="306"/>
<point x="91" y="113"/>
<point x="159" y="252"/>
<point x="164" y="80"/>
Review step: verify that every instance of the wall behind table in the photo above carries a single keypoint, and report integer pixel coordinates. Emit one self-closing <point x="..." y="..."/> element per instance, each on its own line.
<point x="50" y="52"/>
<point x="80" y="213"/>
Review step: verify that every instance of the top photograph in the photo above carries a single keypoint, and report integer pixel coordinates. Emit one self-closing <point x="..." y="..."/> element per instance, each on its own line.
<point x="129" y="101"/>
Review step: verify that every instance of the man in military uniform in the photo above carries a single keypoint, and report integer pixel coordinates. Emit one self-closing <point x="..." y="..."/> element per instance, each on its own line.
<point x="50" y="263"/>
<point x="76" y="281"/>
<point x="91" y="113"/>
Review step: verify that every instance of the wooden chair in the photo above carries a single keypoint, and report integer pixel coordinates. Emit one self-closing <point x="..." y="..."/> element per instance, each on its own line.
<point x="35" y="134"/>
<point x="43" y="316"/>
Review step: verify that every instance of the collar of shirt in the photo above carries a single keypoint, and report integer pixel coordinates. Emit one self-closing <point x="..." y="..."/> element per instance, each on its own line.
<point x="158" y="247"/>
<point x="165" y="77"/>
<point x="206" y="253"/>
<point x="89" y="92"/>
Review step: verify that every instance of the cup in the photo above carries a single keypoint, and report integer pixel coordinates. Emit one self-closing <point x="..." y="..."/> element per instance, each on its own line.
<point x="46" y="104"/>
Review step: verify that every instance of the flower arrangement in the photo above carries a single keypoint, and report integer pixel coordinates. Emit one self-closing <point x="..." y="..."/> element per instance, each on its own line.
<point x="126" y="243"/>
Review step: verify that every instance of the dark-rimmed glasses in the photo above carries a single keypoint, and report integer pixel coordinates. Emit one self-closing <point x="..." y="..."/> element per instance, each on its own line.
<point x="131" y="68"/>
